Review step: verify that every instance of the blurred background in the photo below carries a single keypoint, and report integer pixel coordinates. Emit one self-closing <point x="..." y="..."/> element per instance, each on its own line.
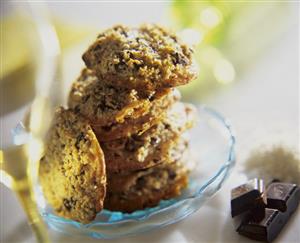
<point x="229" y="38"/>
<point x="247" y="53"/>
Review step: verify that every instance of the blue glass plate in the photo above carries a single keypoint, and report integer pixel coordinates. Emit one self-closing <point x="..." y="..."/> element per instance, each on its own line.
<point x="212" y="157"/>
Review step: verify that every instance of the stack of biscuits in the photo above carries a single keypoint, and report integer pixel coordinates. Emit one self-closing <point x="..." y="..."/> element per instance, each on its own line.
<point x="120" y="144"/>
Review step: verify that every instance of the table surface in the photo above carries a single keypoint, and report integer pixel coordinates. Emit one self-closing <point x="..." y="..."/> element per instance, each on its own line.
<point x="264" y="109"/>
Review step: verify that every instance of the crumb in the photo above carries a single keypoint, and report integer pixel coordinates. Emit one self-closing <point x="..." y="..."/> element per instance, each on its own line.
<point x="276" y="163"/>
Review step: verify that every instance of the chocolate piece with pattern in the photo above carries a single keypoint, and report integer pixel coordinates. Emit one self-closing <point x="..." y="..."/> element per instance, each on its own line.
<point x="247" y="197"/>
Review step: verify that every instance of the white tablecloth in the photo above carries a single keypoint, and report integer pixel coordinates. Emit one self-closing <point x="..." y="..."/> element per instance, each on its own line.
<point x="264" y="109"/>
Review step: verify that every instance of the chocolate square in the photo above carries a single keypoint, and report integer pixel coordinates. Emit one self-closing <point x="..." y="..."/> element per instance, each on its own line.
<point x="248" y="197"/>
<point x="266" y="229"/>
<point x="283" y="196"/>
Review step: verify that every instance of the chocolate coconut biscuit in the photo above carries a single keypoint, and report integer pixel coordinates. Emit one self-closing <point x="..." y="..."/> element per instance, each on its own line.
<point x="144" y="58"/>
<point x="131" y="125"/>
<point x="104" y="104"/>
<point x="142" y="189"/>
<point x="72" y="170"/>
<point x="152" y="147"/>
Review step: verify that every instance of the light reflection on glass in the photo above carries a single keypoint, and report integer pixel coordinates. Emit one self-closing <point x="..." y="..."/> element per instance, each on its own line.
<point x="6" y="179"/>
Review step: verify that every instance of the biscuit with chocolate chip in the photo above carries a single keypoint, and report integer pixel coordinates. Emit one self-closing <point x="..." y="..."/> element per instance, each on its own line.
<point x="104" y="104"/>
<point x="72" y="170"/>
<point x="141" y="189"/>
<point x="145" y="58"/>
<point x="152" y="147"/>
<point x="132" y="125"/>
